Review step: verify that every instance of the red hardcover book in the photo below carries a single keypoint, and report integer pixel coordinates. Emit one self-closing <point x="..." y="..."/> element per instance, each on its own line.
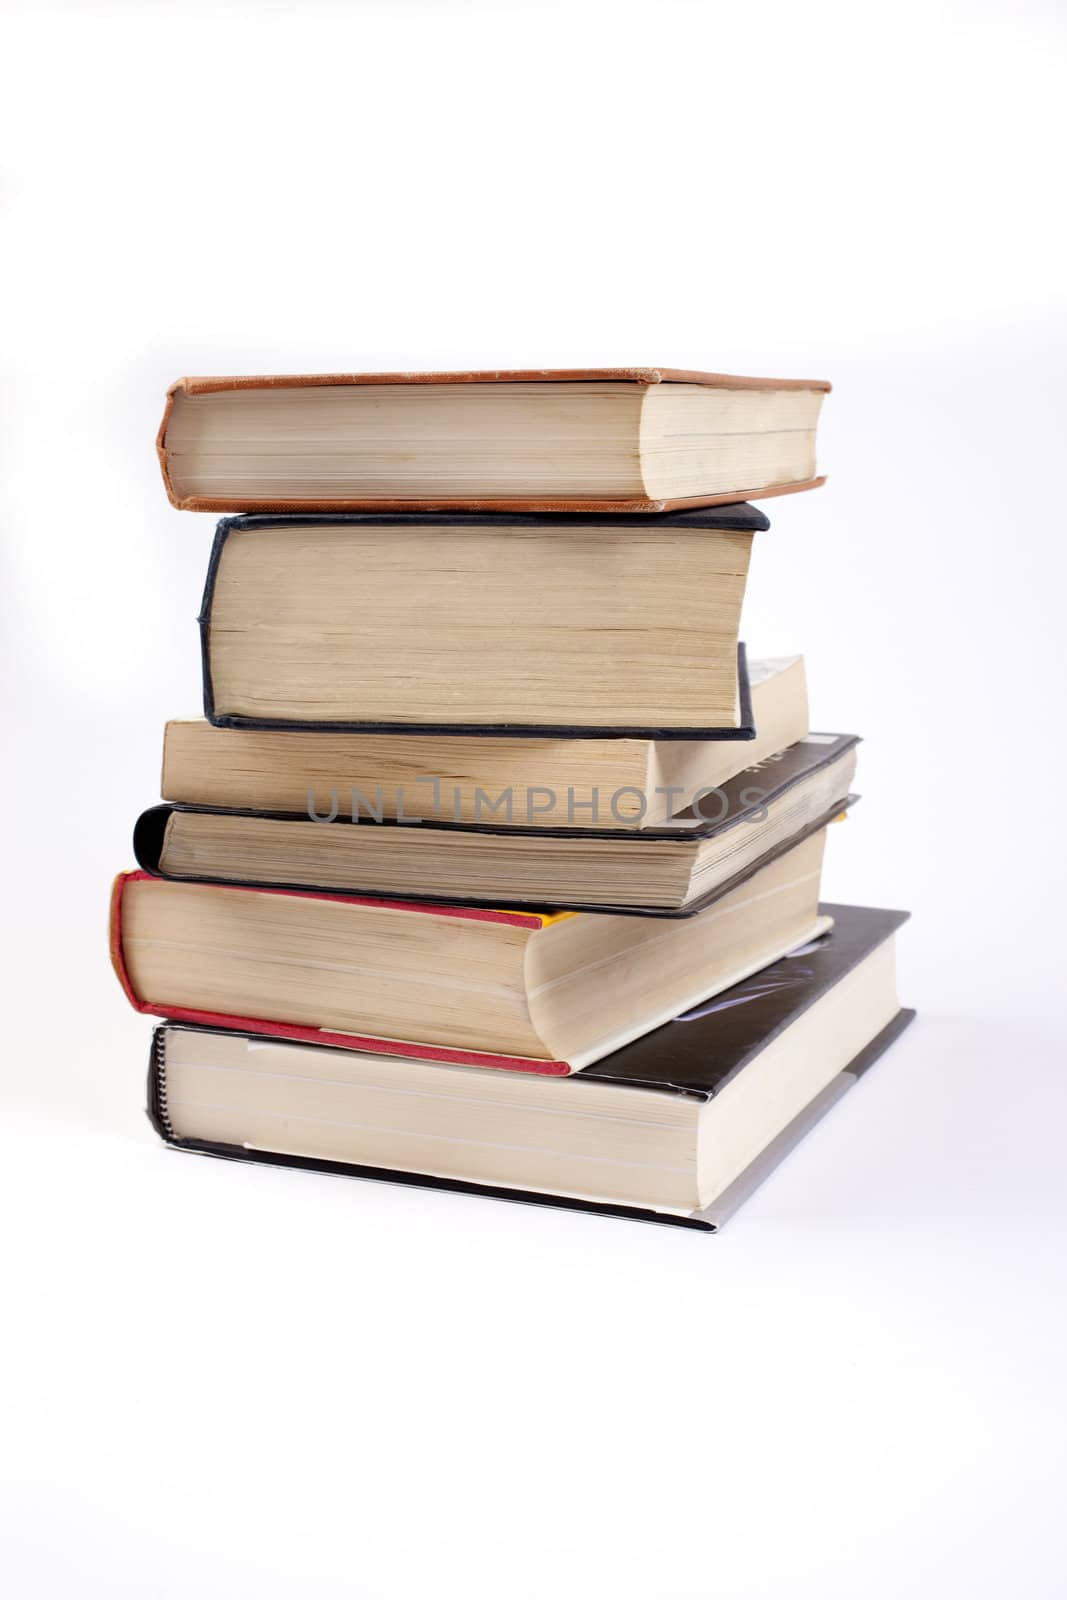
<point x="526" y="990"/>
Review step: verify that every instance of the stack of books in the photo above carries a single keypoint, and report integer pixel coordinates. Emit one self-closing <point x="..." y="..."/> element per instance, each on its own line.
<point x="494" y="863"/>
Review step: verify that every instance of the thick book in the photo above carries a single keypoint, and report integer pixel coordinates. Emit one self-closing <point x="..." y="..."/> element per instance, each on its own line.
<point x="678" y="1127"/>
<point x="611" y="439"/>
<point x="525" y="990"/>
<point x="618" y="785"/>
<point x="580" y="627"/>
<point x="674" y="870"/>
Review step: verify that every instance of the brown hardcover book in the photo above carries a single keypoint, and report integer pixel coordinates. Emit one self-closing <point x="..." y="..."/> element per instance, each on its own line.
<point x="610" y="439"/>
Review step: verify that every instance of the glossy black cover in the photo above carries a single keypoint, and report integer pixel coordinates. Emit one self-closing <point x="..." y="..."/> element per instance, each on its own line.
<point x="703" y="1048"/>
<point x="736" y="518"/>
<point x="695" y="1056"/>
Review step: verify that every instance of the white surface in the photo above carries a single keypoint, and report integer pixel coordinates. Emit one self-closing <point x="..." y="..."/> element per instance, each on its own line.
<point x="218" y="1380"/>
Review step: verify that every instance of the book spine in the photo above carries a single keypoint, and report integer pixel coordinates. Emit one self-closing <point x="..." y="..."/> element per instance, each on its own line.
<point x="161" y="445"/>
<point x="157" y="1086"/>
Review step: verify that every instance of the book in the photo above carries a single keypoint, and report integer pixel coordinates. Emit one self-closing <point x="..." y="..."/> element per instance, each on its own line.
<point x="534" y="991"/>
<point x="676" y="869"/>
<point x="677" y="1127"/>
<point x="480" y="624"/>
<point x="614" y="439"/>
<point x="603" y="784"/>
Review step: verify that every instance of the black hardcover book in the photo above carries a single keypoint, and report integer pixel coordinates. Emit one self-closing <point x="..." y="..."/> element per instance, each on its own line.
<point x="484" y="618"/>
<point x="678" y="1127"/>
<point x="675" y="870"/>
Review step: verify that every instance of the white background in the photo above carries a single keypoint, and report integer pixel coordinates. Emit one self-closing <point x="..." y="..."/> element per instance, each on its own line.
<point x="228" y="1382"/>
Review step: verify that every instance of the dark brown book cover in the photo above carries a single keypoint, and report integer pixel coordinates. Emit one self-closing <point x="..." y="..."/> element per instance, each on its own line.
<point x="642" y="376"/>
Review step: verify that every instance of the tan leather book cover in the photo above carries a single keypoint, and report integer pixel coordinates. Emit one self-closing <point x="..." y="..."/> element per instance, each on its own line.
<point x="635" y="375"/>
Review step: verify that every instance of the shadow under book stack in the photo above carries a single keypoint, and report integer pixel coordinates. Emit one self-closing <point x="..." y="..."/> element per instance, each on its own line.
<point x="494" y="864"/>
